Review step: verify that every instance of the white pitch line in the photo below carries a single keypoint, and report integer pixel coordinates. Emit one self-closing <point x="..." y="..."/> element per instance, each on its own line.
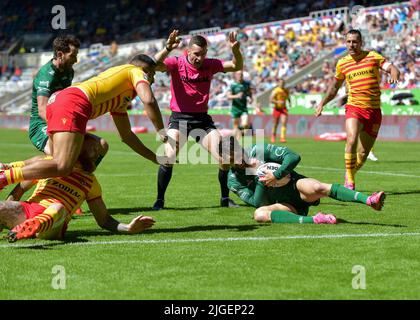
<point x="383" y="173"/>
<point x="116" y="242"/>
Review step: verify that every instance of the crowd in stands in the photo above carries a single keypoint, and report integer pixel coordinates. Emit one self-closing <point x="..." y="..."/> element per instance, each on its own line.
<point x="131" y="21"/>
<point x="393" y="32"/>
<point x="272" y="50"/>
<point x="280" y="50"/>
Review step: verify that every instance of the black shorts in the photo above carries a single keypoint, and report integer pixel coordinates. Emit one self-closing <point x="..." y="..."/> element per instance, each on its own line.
<point x="290" y="194"/>
<point x="201" y="123"/>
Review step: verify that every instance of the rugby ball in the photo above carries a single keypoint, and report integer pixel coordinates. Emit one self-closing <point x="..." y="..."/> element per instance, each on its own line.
<point x="271" y="167"/>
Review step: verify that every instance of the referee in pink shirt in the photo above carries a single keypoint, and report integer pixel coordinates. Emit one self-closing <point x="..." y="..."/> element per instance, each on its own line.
<point x="191" y="76"/>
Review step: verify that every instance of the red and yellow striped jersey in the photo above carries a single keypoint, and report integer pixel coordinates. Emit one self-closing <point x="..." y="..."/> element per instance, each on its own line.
<point x="70" y="191"/>
<point x="362" y="79"/>
<point x="113" y="89"/>
<point x="280" y="95"/>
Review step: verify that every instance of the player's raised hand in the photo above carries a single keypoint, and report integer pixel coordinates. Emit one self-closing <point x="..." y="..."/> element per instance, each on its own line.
<point x="140" y="224"/>
<point x="318" y="110"/>
<point x="233" y="42"/>
<point x="173" y="40"/>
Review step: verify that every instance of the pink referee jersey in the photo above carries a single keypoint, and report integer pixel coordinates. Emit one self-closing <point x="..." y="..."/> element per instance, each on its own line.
<point x="190" y="87"/>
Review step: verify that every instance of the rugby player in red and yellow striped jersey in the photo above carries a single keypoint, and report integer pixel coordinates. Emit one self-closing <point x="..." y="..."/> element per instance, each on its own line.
<point x="279" y="96"/>
<point x="361" y="71"/>
<point x="48" y="211"/>
<point x="69" y="110"/>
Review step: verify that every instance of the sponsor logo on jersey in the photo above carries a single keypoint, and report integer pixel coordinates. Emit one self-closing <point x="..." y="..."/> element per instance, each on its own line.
<point x="278" y="152"/>
<point x="66" y="189"/>
<point x="196" y="80"/>
<point x="361" y="73"/>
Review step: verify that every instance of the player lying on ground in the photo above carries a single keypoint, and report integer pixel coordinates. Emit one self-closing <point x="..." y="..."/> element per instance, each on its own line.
<point x="283" y="195"/>
<point x="16" y="194"/>
<point x="48" y="211"/>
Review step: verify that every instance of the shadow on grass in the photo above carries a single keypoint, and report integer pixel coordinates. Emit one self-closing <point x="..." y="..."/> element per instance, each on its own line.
<point x="81" y="236"/>
<point x="148" y="209"/>
<point x="400" y="161"/>
<point x="402" y="192"/>
<point x="239" y="228"/>
<point x="339" y="220"/>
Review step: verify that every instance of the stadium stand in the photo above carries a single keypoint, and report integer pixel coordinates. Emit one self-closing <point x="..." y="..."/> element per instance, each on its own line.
<point x="303" y="50"/>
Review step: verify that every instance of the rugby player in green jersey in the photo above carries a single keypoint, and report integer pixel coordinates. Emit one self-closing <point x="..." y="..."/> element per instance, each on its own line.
<point x="240" y="90"/>
<point x="290" y="202"/>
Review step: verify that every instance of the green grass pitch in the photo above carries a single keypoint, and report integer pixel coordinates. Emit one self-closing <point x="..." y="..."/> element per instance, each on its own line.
<point x="197" y="250"/>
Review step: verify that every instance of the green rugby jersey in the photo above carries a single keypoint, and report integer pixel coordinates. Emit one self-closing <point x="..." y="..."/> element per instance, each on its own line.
<point x="47" y="81"/>
<point x="248" y="188"/>
<point x="238" y="87"/>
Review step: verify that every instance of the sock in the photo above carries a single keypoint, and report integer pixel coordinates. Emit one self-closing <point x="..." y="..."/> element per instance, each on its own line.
<point x="359" y="163"/>
<point x="164" y="176"/>
<point x="223" y="179"/>
<point x="350" y="160"/>
<point x="283" y="132"/>
<point x="289" y="217"/>
<point x="17" y="164"/>
<point x="340" y="193"/>
<point x="13" y="175"/>
<point x="50" y="218"/>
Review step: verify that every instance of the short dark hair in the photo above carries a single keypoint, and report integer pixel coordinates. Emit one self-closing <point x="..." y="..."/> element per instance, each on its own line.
<point x="355" y="31"/>
<point x="62" y="43"/>
<point x="141" y="58"/>
<point x="198" y="40"/>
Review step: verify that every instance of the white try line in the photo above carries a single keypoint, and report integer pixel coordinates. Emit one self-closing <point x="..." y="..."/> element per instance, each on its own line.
<point x="382" y="173"/>
<point x="164" y="241"/>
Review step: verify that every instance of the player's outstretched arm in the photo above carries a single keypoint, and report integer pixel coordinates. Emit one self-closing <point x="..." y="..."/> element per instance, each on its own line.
<point x="331" y="93"/>
<point x="18" y="191"/>
<point x="251" y="197"/>
<point x="237" y="62"/>
<point x="145" y="93"/>
<point x="172" y="43"/>
<point x="122" y="122"/>
<point x="105" y="221"/>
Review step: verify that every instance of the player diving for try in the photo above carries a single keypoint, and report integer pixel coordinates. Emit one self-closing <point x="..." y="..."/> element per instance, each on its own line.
<point x="283" y="196"/>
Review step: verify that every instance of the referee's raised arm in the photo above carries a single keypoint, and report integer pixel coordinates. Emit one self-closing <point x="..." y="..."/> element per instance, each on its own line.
<point x="237" y="62"/>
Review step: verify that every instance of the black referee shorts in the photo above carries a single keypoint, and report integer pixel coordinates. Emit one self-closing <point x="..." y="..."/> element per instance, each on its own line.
<point x="188" y="122"/>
